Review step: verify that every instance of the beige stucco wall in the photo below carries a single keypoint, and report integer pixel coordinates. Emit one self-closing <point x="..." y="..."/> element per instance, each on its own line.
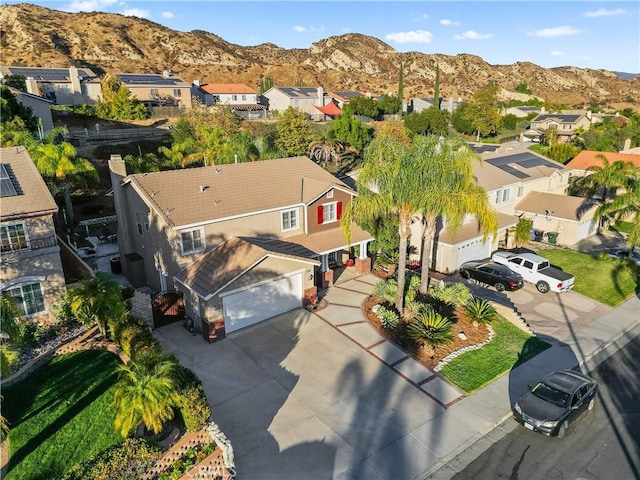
<point x="144" y="93"/>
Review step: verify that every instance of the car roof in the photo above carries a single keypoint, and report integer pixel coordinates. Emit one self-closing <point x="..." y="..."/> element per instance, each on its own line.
<point x="566" y="380"/>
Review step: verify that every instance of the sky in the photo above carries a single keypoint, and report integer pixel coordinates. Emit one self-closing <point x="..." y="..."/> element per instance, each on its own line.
<point x="584" y="34"/>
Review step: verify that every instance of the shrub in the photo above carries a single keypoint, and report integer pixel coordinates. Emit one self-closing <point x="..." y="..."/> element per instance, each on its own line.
<point x="413" y="287"/>
<point x="388" y="317"/>
<point x="454" y="294"/>
<point x="9" y="358"/>
<point x="194" y="408"/>
<point x="128" y="460"/>
<point x="415" y="307"/>
<point x="387" y="289"/>
<point x="431" y="329"/>
<point x="481" y="311"/>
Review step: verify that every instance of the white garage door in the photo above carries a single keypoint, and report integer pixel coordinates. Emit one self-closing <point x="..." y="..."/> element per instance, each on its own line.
<point x="473" y="250"/>
<point x="258" y="303"/>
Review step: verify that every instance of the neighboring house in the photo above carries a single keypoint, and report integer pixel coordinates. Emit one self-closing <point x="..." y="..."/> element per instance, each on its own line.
<point x="419" y="104"/>
<point x="40" y="107"/>
<point x="64" y="86"/>
<point x="237" y="96"/>
<point x="243" y="242"/>
<point x="567" y="125"/>
<point x="619" y="120"/>
<point x="341" y="98"/>
<point x="591" y="158"/>
<point x="522" y="111"/>
<point x="30" y="264"/>
<point x="509" y="180"/>
<point x="305" y="99"/>
<point x="158" y="89"/>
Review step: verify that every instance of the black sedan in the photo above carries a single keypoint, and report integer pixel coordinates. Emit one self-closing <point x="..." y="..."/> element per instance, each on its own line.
<point x="499" y="276"/>
<point x="555" y="402"/>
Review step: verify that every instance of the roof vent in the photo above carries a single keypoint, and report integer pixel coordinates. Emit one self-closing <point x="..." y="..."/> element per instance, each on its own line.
<point x="217" y="202"/>
<point x="204" y="187"/>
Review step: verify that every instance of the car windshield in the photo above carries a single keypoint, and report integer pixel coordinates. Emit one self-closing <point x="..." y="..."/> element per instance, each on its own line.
<point x="550" y="394"/>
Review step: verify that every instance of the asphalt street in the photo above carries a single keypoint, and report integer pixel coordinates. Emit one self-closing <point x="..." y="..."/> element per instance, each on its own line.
<point x="601" y="445"/>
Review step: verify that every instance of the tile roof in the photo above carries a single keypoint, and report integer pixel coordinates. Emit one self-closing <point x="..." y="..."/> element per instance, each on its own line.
<point x="561" y="206"/>
<point x="588" y="158"/>
<point x="206" y="194"/>
<point x="32" y="195"/>
<point x="226" y="88"/>
<point x="325" y="241"/>
<point x="210" y="273"/>
<point x="472" y="229"/>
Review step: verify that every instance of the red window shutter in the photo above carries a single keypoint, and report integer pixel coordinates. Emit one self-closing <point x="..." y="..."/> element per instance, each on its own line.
<point x="320" y="214"/>
<point x="339" y="210"/>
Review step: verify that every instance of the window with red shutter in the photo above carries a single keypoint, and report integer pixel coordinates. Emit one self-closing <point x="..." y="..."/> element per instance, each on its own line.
<point x="339" y="210"/>
<point x="320" y="214"/>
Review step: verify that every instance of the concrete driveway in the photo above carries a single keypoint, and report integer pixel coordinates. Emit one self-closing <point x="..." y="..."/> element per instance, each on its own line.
<point x="300" y="399"/>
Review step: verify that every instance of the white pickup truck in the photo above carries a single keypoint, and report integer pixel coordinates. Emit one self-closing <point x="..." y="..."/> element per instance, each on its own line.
<point x="537" y="270"/>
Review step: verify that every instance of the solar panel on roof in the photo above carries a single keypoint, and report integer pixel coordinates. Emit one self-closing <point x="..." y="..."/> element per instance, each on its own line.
<point x="7" y="188"/>
<point x="514" y="172"/>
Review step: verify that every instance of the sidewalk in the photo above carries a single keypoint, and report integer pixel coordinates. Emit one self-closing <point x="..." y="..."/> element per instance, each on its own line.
<point x="490" y="408"/>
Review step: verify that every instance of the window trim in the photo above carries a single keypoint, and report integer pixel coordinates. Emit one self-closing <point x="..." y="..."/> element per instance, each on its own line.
<point x="18" y="243"/>
<point x="291" y="223"/>
<point x="194" y="249"/>
<point x="323" y="208"/>
<point x="21" y="301"/>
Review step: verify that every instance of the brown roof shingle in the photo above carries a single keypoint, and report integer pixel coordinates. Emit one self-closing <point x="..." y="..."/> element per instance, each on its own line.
<point x="201" y="195"/>
<point x="560" y="206"/>
<point x="33" y="197"/>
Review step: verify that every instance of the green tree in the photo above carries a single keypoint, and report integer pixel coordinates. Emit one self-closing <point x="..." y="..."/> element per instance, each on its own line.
<point x="437" y="121"/>
<point x="430" y="329"/>
<point x="416" y="122"/>
<point x="450" y="192"/>
<point x="389" y="184"/>
<point x="509" y="122"/>
<point x="221" y="117"/>
<point x="482" y="113"/>
<point x="98" y="300"/>
<point x="401" y="85"/>
<point x="10" y="108"/>
<point x="327" y="149"/>
<point x="522" y="232"/>
<point x="436" y="90"/>
<point x="365" y="106"/>
<point x="10" y="326"/>
<point x="562" y="152"/>
<point x="266" y="83"/>
<point x="389" y="104"/>
<point x="294" y="132"/>
<point x="240" y="148"/>
<point x="60" y="162"/>
<point x="460" y="121"/>
<point x="351" y="131"/>
<point x="145" y="393"/>
<point x="523" y="88"/>
<point x="117" y="102"/>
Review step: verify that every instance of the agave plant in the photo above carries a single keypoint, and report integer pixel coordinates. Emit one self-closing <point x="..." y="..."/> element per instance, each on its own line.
<point x="387" y="289"/>
<point x="430" y="329"/>
<point x="480" y="310"/>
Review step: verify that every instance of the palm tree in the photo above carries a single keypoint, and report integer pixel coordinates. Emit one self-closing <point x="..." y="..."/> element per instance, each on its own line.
<point x="10" y="318"/>
<point x="450" y="192"/>
<point x="208" y="146"/>
<point x="625" y="205"/>
<point x="60" y="161"/>
<point x="326" y="150"/>
<point x="145" y="393"/>
<point x="430" y="329"/>
<point x="389" y="184"/>
<point x="98" y="300"/>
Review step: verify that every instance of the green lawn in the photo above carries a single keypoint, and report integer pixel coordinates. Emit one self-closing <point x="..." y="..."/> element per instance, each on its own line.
<point x="477" y="368"/>
<point x="60" y="415"/>
<point x="606" y="280"/>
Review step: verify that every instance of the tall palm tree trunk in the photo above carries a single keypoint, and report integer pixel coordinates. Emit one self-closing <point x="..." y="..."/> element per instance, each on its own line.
<point x="402" y="273"/>
<point x="68" y="206"/>
<point x="428" y="235"/>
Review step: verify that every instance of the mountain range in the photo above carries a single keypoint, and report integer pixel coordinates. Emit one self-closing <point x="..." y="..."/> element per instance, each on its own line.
<point x="36" y="36"/>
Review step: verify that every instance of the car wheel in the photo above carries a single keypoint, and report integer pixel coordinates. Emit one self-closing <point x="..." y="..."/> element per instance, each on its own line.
<point x="499" y="287"/>
<point x="563" y="429"/>
<point x="543" y="287"/>
<point x="592" y="403"/>
<point x="465" y="274"/>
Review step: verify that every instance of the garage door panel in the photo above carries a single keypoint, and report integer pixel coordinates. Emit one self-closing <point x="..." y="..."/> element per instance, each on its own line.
<point x="255" y="304"/>
<point x="473" y="250"/>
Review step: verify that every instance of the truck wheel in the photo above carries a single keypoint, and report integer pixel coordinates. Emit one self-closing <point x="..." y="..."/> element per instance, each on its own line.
<point x="499" y="287"/>
<point x="543" y="287"/>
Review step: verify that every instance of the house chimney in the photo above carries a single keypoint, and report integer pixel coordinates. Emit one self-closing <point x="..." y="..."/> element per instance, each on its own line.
<point x="627" y="144"/>
<point x="196" y="83"/>
<point x="166" y="73"/>
<point x="588" y="114"/>
<point x="320" y="96"/>
<point x="75" y="80"/>
<point x="32" y="86"/>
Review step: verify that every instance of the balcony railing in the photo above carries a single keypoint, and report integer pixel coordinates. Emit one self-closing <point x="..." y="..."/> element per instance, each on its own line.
<point x="24" y="245"/>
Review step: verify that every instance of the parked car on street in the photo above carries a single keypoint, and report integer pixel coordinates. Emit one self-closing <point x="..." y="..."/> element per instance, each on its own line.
<point x="623" y="253"/>
<point x="537" y="270"/>
<point x="498" y="276"/>
<point x="555" y="402"/>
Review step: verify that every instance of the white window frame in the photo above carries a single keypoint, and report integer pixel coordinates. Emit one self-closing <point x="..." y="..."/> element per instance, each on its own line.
<point x="177" y="92"/>
<point x="22" y="302"/>
<point x="15" y="242"/>
<point x="194" y="248"/>
<point x="329" y="212"/>
<point x="503" y="195"/>
<point x="289" y="220"/>
<point x="520" y="190"/>
<point x="139" y="226"/>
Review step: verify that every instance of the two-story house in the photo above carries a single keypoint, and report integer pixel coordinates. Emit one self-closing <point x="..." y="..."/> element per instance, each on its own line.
<point x="158" y="89"/>
<point x="40" y="107"/>
<point x="517" y="184"/>
<point x="30" y="265"/>
<point x="63" y="86"/>
<point x="418" y="104"/>
<point x="306" y="99"/>
<point x="239" y="97"/>
<point x="243" y="242"/>
<point x="567" y="125"/>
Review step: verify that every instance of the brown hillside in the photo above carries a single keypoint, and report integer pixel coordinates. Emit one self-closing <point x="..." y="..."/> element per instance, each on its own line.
<point x="40" y="37"/>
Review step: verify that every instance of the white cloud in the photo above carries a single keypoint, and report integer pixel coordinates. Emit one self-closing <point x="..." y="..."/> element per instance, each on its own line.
<point x="557" y="53"/>
<point x="298" y="28"/>
<point x="311" y="28"/>
<point x="605" y="12"/>
<point x="471" y="35"/>
<point x="90" y="5"/>
<point x="413" y="36"/>
<point x="555" y="32"/>
<point x="425" y="16"/>
<point x="167" y="15"/>
<point x="446" y="22"/>
<point x="136" y="12"/>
